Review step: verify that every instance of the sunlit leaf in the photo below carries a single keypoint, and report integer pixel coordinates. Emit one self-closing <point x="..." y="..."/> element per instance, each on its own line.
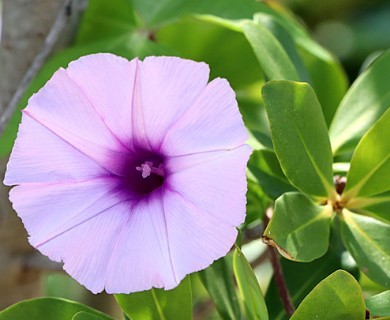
<point x="249" y="288"/>
<point x="158" y="303"/>
<point x="218" y="280"/>
<point x="269" y="52"/>
<point x="49" y="309"/>
<point x="367" y="99"/>
<point x="300" y="136"/>
<point x="339" y="296"/>
<point x="299" y="228"/>
<point x="367" y="240"/>
<point x="286" y="40"/>
<point x="379" y="305"/>
<point x="323" y="70"/>
<point x="370" y="164"/>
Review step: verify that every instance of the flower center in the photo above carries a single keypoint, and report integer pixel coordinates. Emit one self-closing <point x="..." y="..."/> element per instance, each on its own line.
<point x="147" y="169"/>
<point x="142" y="172"/>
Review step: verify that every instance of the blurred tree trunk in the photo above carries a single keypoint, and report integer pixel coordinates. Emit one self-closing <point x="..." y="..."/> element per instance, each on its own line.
<point x="24" y="25"/>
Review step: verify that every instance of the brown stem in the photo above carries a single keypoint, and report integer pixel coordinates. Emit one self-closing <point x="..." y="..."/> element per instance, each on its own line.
<point x="281" y="282"/>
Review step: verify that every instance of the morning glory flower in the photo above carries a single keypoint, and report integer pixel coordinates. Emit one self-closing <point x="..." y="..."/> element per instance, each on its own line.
<point x="132" y="173"/>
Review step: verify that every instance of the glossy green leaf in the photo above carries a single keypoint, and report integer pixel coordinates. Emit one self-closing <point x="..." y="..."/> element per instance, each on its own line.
<point x="286" y="40"/>
<point x="295" y="220"/>
<point x="301" y="278"/>
<point x="265" y="167"/>
<point x="218" y="281"/>
<point x="269" y="52"/>
<point x="367" y="99"/>
<point x="379" y="305"/>
<point x="82" y="315"/>
<point x="249" y="288"/>
<point x="367" y="240"/>
<point x="300" y="136"/>
<point x="158" y="303"/>
<point x="48" y="309"/>
<point x="370" y="162"/>
<point x="339" y="296"/>
<point x="377" y="206"/>
<point x="319" y="66"/>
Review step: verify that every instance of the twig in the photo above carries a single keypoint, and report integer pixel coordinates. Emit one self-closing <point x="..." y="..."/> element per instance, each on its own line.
<point x="50" y="40"/>
<point x="278" y="273"/>
<point x="280" y="281"/>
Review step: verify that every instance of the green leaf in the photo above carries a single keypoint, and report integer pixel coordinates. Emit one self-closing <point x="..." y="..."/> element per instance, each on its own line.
<point x="320" y="67"/>
<point x="379" y="305"/>
<point x="155" y="14"/>
<point x="82" y="315"/>
<point x="218" y="281"/>
<point x="158" y="303"/>
<point x="339" y="296"/>
<point x="248" y="285"/>
<point x="256" y="202"/>
<point x="367" y="240"/>
<point x="217" y="46"/>
<point x="48" y="309"/>
<point x="295" y="220"/>
<point x="367" y="99"/>
<point x="265" y="167"/>
<point x="370" y="163"/>
<point x="270" y="53"/>
<point x="285" y="39"/>
<point x="300" y="136"/>
<point x="377" y="206"/>
<point x="102" y="20"/>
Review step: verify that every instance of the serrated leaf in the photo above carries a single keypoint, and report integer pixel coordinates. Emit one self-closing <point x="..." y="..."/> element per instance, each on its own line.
<point x="370" y="164"/>
<point x="48" y="309"/>
<point x="367" y="239"/>
<point x="365" y="102"/>
<point x="339" y="296"/>
<point x="295" y="220"/>
<point x="269" y="52"/>
<point x="379" y="305"/>
<point x="265" y="167"/>
<point x="300" y="137"/>
<point x="218" y="281"/>
<point x="248" y="285"/>
<point x="158" y="303"/>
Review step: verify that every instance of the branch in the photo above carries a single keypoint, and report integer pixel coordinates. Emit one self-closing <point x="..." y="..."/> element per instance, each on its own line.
<point x="278" y="273"/>
<point x="51" y="39"/>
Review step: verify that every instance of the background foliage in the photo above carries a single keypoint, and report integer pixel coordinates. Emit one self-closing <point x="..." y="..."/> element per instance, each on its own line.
<point x="311" y="131"/>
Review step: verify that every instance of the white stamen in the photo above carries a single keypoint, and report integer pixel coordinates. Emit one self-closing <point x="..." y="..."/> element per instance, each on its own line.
<point x="147" y="168"/>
